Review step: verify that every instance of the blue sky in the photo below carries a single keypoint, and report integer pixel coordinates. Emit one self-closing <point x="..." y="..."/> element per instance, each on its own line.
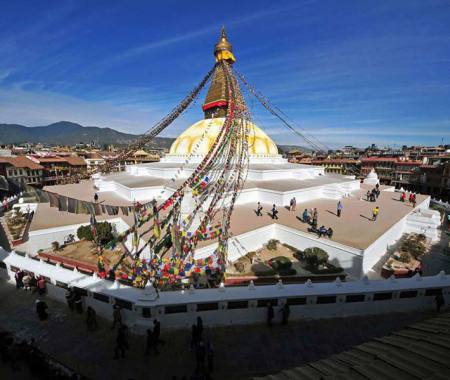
<point x="346" y="72"/>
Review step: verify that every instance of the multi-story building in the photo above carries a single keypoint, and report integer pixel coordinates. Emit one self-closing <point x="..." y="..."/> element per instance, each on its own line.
<point x="405" y="173"/>
<point x="56" y="168"/>
<point x="343" y="166"/>
<point x="383" y="166"/>
<point x="22" y="169"/>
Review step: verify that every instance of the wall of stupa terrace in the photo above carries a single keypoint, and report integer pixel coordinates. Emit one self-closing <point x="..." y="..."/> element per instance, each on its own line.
<point x="236" y="305"/>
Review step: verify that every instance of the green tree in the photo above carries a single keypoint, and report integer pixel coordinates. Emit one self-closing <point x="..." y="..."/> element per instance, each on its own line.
<point x="315" y="256"/>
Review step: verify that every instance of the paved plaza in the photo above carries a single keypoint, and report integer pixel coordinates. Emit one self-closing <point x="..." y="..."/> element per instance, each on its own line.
<point x="240" y="351"/>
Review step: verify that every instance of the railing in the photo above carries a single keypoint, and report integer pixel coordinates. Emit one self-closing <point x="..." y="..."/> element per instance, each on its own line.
<point x="242" y="305"/>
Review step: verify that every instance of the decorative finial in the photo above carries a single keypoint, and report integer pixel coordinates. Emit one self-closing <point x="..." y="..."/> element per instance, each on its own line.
<point x="222" y="32"/>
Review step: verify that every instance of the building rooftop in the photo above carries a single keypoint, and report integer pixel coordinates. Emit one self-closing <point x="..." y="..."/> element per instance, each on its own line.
<point x="420" y="351"/>
<point x="21" y="162"/>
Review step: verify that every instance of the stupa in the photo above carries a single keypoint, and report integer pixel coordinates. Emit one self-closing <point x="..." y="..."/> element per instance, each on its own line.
<point x="270" y="177"/>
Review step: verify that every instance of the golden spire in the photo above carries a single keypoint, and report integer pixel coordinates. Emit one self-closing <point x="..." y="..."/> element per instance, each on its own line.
<point x="223" y="48"/>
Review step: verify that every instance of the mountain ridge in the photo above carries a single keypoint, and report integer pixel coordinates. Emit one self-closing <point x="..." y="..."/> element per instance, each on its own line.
<point x="70" y="133"/>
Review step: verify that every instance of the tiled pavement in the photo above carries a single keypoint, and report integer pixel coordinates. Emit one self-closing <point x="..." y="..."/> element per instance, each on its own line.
<point x="240" y="351"/>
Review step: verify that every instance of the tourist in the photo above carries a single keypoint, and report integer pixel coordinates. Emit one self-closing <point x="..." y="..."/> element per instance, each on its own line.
<point x="70" y="298"/>
<point x="259" y="209"/>
<point x="121" y="342"/>
<point x="33" y="283"/>
<point x="200" y="327"/>
<point x="368" y="196"/>
<point x="270" y="314"/>
<point x="375" y="213"/>
<point x="117" y="317"/>
<point x="26" y="281"/>
<point x="305" y="216"/>
<point x="339" y="208"/>
<point x="91" y="319"/>
<point x="18" y="276"/>
<point x="210" y="356"/>
<point x="413" y="201"/>
<point x="440" y="301"/>
<point x="41" y="310"/>
<point x="78" y="302"/>
<point x="157" y="332"/>
<point x="315" y="218"/>
<point x="330" y="232"/>
<point x="322" y="231"/>
<point x="285" y="311"/>
<point x="274" y="212"/>
<point x="41" y="285"/>
<point x="292" y="204"/>
<point x="403" y="197"/>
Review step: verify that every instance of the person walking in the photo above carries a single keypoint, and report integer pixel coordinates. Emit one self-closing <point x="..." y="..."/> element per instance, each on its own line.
<point x="91" y="319"/>
<point x="41" y="310"/>
<point x="285" y="311"/>
<point x="274" y="212"/>
<point x="121" y="342"/>
<point x="315" y="218"/>
<point x="270" y="314"/>
<point x="294" y="204"/>
<point x="259" y="209"/>
<point x="440" y="301"/>
<point x="18" y="276"/>
<point x="305" y="216"/>
<point x="200" y="327"/>
<point x="70" y="298"/>
<point x="157" y="333"/>
<point x="413" y="201"/>
<point x="375" y="213"/>
<point x="339" y="209"/>
<point x="117" y="317"/>
<point x="41" y="286"/>
<point x="78" y="301"/>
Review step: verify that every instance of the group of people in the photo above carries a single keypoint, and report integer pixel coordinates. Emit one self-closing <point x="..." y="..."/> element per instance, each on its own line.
<point x="284" y="311"/>
<point x="412" y="198"/>
<point x="8" y="202"/>
<point x="372" y="195"/>
<point x="28" y="281"/>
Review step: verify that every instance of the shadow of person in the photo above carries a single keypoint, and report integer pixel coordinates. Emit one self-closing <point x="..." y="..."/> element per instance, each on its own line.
<point x="365" y="217"/>
<point x="331" y="212"/>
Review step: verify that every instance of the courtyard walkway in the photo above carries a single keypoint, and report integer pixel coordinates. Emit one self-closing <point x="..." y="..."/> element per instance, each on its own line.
<point x="241" y="352"/>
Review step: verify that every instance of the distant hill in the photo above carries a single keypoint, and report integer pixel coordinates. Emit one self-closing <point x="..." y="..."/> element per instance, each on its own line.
<point x="68" y="133"/>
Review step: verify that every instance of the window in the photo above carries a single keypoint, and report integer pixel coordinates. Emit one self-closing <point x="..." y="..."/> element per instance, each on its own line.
<point x="101" y="297"/>
<point x="264" y="302"/>
<point x="433" y="292"/>
<point x="355" y="298"/>
<point x="382" y="296"/>
<point x="408" y="294"/>
<point x="61" y="285"/>
<point x="124" y="304"/>
<point x="207" y="306"/>
<point x="82" y="292"/>
<point x="296" y="301"/>
<point x="173" y="309"/>
<point x="146" y="312"/>
<point x="326" y="299"/>
<point x="237" y="304"/>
